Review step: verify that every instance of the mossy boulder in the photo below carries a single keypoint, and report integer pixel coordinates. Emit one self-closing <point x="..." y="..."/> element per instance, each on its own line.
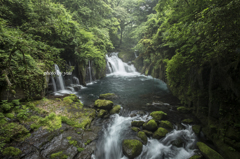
<point x="166" y="124"/>
<point x="136" y="129"/>
<point x="196" y="129"/>
<point x="102" y="113"/>
<point x="208" y="152"/>
<point x="132" y="148"/>
<point x="137" y="123"/>
<point x="103" y="104"/>
<point x="183" y="109"/>
<point x="148" y="133"/>
<point x="196" y="157"/>
<point x="160" y="133"/>
<point x="151" y="125"/>
<point x="115" y="109"/>
<point x="143" y="137"/>
<point x="108" y="96"/>
<point x="158" y="115"/>
<point x="187" y="121"/>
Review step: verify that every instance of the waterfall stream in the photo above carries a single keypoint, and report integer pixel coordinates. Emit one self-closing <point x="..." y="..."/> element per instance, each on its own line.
<point x="59" y="78"/>
<point x="54" y="84"/>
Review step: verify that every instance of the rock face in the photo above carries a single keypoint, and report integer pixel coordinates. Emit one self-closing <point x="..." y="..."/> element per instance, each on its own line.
<point x="158" y="115"/>
<point x="137" y="123"/>
<point x="160" y="133"/>
<point x="115" y="109"/>
<point x="143" y="137"/>
<point x="103" y="104"/>
<point x="208" y="152"/>
<point x="132" y="148"/>
<point x="108" y="96"/>
<point x="151" y="125"/>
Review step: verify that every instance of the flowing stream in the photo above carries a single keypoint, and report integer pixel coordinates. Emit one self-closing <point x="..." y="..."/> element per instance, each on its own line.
<point x="136" y="93"/>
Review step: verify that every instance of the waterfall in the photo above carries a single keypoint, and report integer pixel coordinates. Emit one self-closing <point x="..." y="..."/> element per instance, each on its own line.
<point x="59" y="78"/>
<point x="135" y="54"/>
<point x="118" y="66"/>
<point x="90" y="71"/>
<point x="54" y="84"/>
<point x="76" y="80"/>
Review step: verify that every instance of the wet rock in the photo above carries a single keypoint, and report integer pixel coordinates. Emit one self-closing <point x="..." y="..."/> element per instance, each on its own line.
<point x="187" y="121"/>
<point x="143" y="137"/>
<point x="102" y="113"/>
<point x="158" y="115"/>
<point x="166" y="124"/>
<point x="196" y="129"/>
<point x="148" y="133"/>
<point x="132" y="148"/>
<point x="137" y="123"/>
<point x="180" y="126"/>
<point x="108" y="96"/>
<point x="183" y="109"/>
<point x="141" y="113"/>
<point x="133" y="115"/>
<point x="151" y="125"/>
<point x="136" y="129"/>
<point x="115" y="109"/>
<point x="71" y="152"/>
<point x="207" y="152"/>
<point x="178" y="142"/>
<point x="103" y="104"/>
<point x="33" y="155"/>
<point x="160" y="133"/>
<point x="87" y="152"/>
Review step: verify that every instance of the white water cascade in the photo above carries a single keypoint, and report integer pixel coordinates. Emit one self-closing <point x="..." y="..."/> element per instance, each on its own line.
<point x="118" y="67"/>
<point x="54" y="84"/>
<point x="76" y="80"/>
<point x="59" y="77"/>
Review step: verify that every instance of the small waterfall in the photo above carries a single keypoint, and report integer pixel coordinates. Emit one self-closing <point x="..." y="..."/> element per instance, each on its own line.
<point x="54" y="84"/>
<point x="135" y="53"/>
<point x="59" y="78"/>
<point x="118" y="66"/>
<point x="76" y="80"/>
<point x="90" y="71"/>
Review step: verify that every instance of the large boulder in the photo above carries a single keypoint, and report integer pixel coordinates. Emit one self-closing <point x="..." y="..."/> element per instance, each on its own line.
<point x="137" y="123"/>
<point x="143" y="137"/>
<point x="132" y="148"/>
<point x="108" y="96"/>
<point x="166" y="124"/>
<point x="158" y="115"/>
<point x="207" y="152"/>
<point x="115" y="109"/>
<point x="160" y="133"/>
<point x="103" y="104"/>
<point x="151" y="125"/>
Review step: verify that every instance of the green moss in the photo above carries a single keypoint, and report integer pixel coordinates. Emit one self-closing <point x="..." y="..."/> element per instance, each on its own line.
<point x="80" y="149"/>
<point x="107" y="96"/>
<point x="208" y="152"/>
<point x="135" y="129"/>
<point x="103" y="104"/>
<point x="188" y="121"/>
<point x="158" y="115"/>
<point x="10" y="115"/>
<point x="58" y="155"/>
<point x="196" y="129"/>
<point x="166" y="124"/>
<point x="137" y="123"/>
<point x="134" y="145"/>
<point x="151" y="125"/>
<point x="115" y="109"/>
<point x="196" y="157"/>
<point x="142" y="136"/>
<point x="183" y="109"/>
<point x="159" y="133"/>
<point x="11" y="151"/>
<point x="102" y="112"/>
<point x="88" y="141"/>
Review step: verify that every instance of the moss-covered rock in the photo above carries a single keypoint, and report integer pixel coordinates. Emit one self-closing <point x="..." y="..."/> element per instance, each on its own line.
<point x="196" y="129"/>
<point x="183" y="109"/>
<point x="148" y="133"/>
<point x="137" y="123"/>
<point x="158" y="115"/>
<point x="196" y="157"/>
<point x="166" y="124"/>
<point x="178" y="142"/>
<point x="102" y="112"/>
<point x="187" y="121"/>
<point x="103" y="104"/>
<point x="108" y="96"/>
<point x="115" y="109"/>
<point x="143" y="137"/>
<point x="136" y="129"/>
<point x="160" y="133"/>
<point x="151" y="125"/>
<point x="11" y="151"/>
<point x="132" y="148"/>
<point x="208" y="152"/>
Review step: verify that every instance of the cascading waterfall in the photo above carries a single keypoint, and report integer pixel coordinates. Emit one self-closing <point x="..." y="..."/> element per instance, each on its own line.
<point x="76" y="80"/>
<point x="54" y="84"/>
<point x="135" y="55"/>
<point x="118" y="66"/>
<point x="59" y="78"/>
